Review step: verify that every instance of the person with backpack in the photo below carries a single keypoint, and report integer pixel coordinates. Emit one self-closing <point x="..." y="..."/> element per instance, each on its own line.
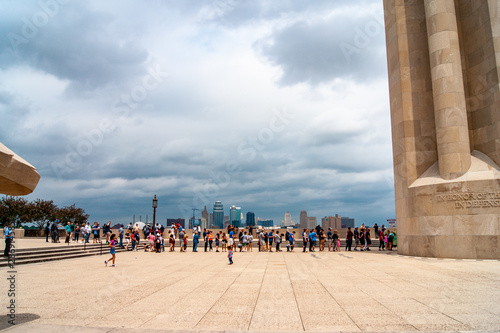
<point x="335" y="241"/>
<point x="292" y="240"/>
<point x="270" y="238"/>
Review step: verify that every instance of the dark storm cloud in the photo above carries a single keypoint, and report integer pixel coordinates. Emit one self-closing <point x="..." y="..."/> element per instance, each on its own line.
<point x="71" y="41"/>
<point x="325" y="50"/>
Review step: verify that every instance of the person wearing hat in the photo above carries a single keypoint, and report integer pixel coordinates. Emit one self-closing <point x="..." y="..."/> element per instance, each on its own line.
<point x="9" y="236"/>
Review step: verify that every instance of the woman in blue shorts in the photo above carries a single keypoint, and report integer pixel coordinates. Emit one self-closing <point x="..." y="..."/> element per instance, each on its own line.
<point x="112" y="244"/>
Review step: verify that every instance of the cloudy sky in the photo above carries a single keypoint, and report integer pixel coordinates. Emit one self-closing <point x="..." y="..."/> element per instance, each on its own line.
<point x="273" y="106"/>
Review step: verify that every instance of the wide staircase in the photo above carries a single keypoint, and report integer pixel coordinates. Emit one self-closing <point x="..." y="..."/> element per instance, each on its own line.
<point x="56" y="252"/>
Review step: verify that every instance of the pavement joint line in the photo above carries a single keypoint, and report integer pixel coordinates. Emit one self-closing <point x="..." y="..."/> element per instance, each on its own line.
<point x="322" y="285"/>
<point x="294" y="295"/>
<point x="444" y="314"/>
<point x="167" y="286"/>
<point x="258" y="296"/>
<point x="225" y="291"/>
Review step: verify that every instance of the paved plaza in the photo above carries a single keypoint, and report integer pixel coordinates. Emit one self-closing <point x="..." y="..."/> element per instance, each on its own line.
<point x="322" y="291"/>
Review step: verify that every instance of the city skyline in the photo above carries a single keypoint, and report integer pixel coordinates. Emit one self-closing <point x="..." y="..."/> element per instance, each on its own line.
<point x="275" y="105"/>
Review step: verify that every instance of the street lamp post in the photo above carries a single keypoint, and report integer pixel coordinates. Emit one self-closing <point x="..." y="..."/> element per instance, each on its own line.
<point x="155" y="204"/>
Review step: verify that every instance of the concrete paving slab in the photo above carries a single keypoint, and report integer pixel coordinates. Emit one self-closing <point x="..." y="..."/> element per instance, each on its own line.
<point x="289" y="292"/>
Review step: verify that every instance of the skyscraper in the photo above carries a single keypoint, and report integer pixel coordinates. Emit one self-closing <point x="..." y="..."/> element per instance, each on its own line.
<point x="287" y="220"/>
<point x="204" y="213"/>
<point x="250" y="219"/>
<point x="235" y="216"/>
<point x="218" y="215"/>
<point x="303" y="219"/>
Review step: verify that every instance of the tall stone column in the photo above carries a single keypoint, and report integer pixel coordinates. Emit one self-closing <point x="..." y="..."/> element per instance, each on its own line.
<point x="452" y="132"/>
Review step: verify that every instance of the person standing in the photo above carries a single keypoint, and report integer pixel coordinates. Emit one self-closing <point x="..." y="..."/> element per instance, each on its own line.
<point x="291" y="240"/>
<point x="181" y="238"/>
<point x="106" y="230"/>
<point x="356" y="238"/>
<point x="47" y="232"/>
<point x="329" y="236"/>
<point x="68" y="232"/>
<point x="88" y="231"/>
<point x="95" y="230"/>
<point x="381" y="244"/>
<point x="77" y="232"/>
<point x="9" y="236"/>
<point x="217" y="241"/>
<point x="205" y="238"/>
<point x="270" y="238"/>
<point x="112" y="245"/>
<point x="348" y="240"/>
<point x="231" y="238"/>
<point x="230" y="255"/>
<point x="368" y="239"/>
<point x="210" y="240"/>
<point x="120" y="233"/>
<point x="277" y="239"/>
<point x="305" y="238"/>
<point x="196" y="239"/>
<point x="335" y="241"/>
<point x="312" y="240"/>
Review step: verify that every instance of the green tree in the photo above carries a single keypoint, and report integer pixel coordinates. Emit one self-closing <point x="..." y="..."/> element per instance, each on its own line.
<point x="44" y="211"/>
<point x="72" y="213"/>
<point x="14" y="210"/>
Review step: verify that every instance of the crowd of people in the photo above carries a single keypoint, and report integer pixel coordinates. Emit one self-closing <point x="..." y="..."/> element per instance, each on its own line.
<point x="241" y="240"/>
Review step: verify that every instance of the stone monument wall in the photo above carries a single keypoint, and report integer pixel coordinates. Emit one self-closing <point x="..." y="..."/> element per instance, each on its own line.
<point x="443" y="63"/>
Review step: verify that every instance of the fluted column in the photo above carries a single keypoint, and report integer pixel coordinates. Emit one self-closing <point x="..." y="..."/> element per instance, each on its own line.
<point x="452" y="132"/>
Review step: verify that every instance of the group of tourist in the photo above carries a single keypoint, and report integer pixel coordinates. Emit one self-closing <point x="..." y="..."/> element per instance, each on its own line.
<point x="78" y="233"/>
<point x="241" y="240"/>
<point x="362" y="238"/>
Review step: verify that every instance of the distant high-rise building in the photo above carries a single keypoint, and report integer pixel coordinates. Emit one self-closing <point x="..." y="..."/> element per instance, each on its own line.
<point x="204" y="213"/>
<point x="303" y="219"/>
<point x="287" y="220"/>
<point x="235" y="216"/>
<point x="347" y="222"/>
<point x="311" y="222"/>
<point x="265" y="222"/>
<point x="333" y="222"/>
<point x="250" y="219"/>
<point x="210" y="222"/>
<point x="218" y="219"/>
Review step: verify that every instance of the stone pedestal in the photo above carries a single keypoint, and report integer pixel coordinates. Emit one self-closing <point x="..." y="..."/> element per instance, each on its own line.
<point x="444" y="70"/>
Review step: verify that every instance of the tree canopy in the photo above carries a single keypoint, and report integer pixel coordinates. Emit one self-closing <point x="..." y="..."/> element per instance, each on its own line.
<point x="18" y="210"/>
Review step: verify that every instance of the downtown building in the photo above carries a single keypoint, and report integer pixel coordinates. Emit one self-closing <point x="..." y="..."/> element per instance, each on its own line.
<point x="218" y="215"/>
<point x="250" y="219"/>
<point x="235" y="216"/>
<point x="287" y="220"/>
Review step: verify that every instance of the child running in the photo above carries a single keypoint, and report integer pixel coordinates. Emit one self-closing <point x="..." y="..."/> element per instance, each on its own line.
<point x="230" y="254"/>
<point x="112" y="244"/>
